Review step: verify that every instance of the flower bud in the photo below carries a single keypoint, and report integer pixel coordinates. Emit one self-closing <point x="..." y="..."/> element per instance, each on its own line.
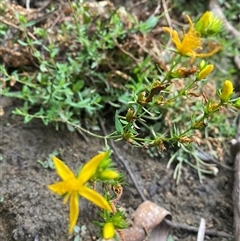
<point x="205" y="72"/>
<point x="227" y="90"/>
<point x="208" y="24"/>
<point x="105" y="163"/>
<point x="237" y="103"/>
<point x="199" y="125"/>
<point x="142" y="98"/>
<point x="130" y="115"/>
<point x="108" y="175"/>
<point x="202" y="64"/>
<point x="108" y="231"/>
<point x="213" y="107"/>
<point x="185" y="139"/>
<point x="183" y="72"/>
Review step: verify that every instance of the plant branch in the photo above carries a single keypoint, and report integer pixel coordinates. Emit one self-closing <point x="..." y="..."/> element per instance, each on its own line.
<point x="122" y="161"/>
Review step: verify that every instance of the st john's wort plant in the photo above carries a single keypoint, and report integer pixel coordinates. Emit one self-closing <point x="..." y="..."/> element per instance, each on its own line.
<point x="161" y="107"/>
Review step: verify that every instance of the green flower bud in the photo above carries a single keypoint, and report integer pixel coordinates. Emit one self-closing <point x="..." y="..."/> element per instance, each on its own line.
<point x="237" y="103"/>
<point x="108" y="175"/>
<point x="202" y="64"/>
<point x="208" y="24"/>
<point x="130" y="115"/>
<point x="119" y="220"/>
<point x="105" y="163"/>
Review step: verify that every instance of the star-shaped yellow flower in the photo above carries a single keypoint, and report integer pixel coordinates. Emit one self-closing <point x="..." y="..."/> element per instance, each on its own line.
<point x="73" y="186"/>
<point x="190" y="43"/>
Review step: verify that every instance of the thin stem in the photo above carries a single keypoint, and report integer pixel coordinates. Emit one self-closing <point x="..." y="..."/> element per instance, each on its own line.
<point x="182" y="91"/>
<point x="174" y="64"/>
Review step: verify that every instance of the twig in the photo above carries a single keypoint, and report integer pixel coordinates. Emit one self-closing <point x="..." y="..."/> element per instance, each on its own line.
<point x="18" y="28"/>
<point x="209" y="232"/>
<point x="125" y="52"/>
<point x="237" y="61"/>
<point x="122" y="161"/>
<point x="157" y="8"/>
<point x="166" y="13"/>
<point x="136" y="5"/>
<point x="45" y="5"/>
<point x="201" y="230"/>
<point x="207" y="157"/>
<point x="151" y="53"/>
<point x="82" y="135"/>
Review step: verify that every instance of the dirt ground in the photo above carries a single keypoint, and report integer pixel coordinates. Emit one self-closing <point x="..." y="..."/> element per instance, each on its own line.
<point x="30" y="212"/>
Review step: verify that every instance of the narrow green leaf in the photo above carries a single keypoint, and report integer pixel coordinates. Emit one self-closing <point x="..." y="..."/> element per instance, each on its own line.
<point x="78" y="86"/>
<point x="118" y="124"/>
<point x="22" y="43"/>
<point x="151" y="22"/>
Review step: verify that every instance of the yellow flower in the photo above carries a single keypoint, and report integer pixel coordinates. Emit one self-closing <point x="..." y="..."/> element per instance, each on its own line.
<point x="205" y="71"/>
<point x="208" y="24"/>
<point x="190" y="43"/>
<point x="108" y="230"/>
<point x="73" y="186"/>
<point x="227" y="90"/>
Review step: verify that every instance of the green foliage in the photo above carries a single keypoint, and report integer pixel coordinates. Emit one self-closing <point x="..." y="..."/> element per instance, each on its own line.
<point x="231" y="10"/>
<point x="48" y="163"/>
<point x="191" y="7"/>
<point x="62" y="90"/>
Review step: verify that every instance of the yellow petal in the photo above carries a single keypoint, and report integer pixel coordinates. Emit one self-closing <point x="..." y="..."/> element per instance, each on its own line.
<point x="95" y="198"/>
<point x="203" y="22"/>
<point x="174" y="35"/>
<point x="59" y="188"/>
<point x="62" y="170"/>
<point x="108" y="230"/>
<point x="191" y="41"/>
<point x="211" y="53"/>
<point x="90" y="167"/>
<point x="190" y="21"/>
<point x="74" y="211"/>
<point x="66" y="197"/>
<point x="175" y="39"/>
